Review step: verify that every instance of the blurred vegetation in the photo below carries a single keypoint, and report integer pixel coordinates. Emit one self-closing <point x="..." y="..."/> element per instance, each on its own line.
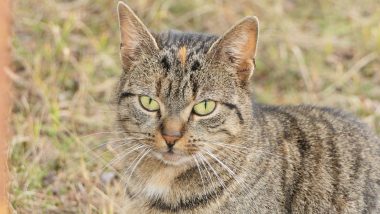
<point x="66" y="62"/>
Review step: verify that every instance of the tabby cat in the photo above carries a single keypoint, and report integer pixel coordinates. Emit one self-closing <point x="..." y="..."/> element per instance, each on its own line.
<point x="195" y="142"/>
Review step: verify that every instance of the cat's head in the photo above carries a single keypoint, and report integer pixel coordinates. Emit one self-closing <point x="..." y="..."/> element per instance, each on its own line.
<point x="181" y="94"/>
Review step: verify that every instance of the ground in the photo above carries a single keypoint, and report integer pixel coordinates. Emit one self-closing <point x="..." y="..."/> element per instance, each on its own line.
<point x="66" y="62"/>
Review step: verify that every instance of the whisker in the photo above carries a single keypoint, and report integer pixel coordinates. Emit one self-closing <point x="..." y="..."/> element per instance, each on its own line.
<point x="229" y="170"/>
<point x="108" y="143"/>
<point x="233" y="149"/>
<point x="145" y="152"/>
<point x="215" y="173"/>
<point x="99" y="133"/>
<point x="122" y="156"/>
<point x="124" y="179"/>
<point x="112" y="149"/>
<point x="106" y="164"/>
<point x="132" y="132"/>
<point x="200" y="173"/>
<point x="203" y="161"/>
<point x="217" y="195"/>
<point x="205" y="167"/>
<point x="254" y="150"/>
<point x="231" y="145"/>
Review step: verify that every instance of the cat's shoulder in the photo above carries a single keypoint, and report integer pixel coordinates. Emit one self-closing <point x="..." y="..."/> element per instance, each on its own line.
<point x="316" y="120"/>
<point x="305" y="114"/>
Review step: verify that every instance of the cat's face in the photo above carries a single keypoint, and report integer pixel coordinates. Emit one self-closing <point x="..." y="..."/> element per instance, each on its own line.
<point x="184" y="94"/>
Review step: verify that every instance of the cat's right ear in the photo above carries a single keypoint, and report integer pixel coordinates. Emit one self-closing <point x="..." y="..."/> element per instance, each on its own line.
<point x="136" y="40"/>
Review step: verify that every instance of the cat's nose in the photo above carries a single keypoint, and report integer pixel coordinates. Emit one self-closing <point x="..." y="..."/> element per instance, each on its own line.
<point x="171" y="131"/>
<point x="171" y="138"/>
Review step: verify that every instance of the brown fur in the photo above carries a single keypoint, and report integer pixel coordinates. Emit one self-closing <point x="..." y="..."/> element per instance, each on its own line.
<point x="182" y="55"/>
<point x="244" y="157"/>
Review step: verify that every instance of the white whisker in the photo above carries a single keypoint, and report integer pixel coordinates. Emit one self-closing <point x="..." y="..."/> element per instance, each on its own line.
<point x="146" y="151"/>
<point x="215" y="173"/>
<point x="99" y="133"/>
<point x="200" y="173"/>
<point x="203" y="161"/>
<point x="232" y="173"/>
<point x="122" y="156"/>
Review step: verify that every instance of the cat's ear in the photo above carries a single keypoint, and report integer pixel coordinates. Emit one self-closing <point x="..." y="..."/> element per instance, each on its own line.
<point x="135" y="36"/>
<point x="238" y="47"/>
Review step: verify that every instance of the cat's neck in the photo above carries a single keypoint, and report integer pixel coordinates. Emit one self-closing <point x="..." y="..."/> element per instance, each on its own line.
<point x="159" y="185"/>
<point x="153" y="179"/>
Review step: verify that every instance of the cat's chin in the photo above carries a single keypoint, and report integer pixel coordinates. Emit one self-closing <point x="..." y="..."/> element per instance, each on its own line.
<point x="172" y="159"/>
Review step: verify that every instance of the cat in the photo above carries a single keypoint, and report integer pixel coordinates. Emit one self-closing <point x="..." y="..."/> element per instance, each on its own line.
<point x="196" y="142"/>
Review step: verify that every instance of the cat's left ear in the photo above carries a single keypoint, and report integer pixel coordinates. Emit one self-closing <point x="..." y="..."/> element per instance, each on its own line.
<point x="136" y="39"/>
<point x="238" y="47"/>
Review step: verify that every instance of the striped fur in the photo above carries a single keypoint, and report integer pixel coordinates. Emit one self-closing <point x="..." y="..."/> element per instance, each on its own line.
<point x="244" y="157"/>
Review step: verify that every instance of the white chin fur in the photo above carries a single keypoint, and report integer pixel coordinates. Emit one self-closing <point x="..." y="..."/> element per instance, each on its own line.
<point x="181" y="161"/>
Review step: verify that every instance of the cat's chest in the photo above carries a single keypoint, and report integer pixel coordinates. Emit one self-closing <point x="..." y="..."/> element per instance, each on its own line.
<point x="158" y="183"/>
<point x="149" y="186"/>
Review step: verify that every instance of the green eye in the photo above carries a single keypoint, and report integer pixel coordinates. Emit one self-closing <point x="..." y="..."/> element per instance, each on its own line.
<point x="148" y="103"/>
<point x="204" y="108"/>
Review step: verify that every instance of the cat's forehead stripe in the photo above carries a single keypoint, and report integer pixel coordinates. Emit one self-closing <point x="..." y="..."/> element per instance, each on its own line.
<point x="182" y="55"/>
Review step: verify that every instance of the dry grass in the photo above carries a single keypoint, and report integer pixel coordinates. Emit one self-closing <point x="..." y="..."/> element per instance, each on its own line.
<point x="66" y="61"/>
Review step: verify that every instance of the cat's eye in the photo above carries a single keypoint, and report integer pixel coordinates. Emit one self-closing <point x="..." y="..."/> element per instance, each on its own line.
<point x="204" y="108"/>
<point x="148" y="103"/>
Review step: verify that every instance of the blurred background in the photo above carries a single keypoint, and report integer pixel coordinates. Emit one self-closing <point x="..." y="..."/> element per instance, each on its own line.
<point x="66" y="63"/>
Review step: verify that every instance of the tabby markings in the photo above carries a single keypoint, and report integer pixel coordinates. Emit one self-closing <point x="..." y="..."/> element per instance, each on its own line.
<point x="182" y="55"/>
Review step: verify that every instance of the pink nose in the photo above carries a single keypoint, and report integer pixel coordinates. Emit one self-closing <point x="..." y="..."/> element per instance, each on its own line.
<point x="171" y="138"/>
<point x="171" y="130"/>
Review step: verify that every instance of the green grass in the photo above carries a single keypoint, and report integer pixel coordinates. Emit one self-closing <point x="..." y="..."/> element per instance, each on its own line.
<point x="66" y="62"/>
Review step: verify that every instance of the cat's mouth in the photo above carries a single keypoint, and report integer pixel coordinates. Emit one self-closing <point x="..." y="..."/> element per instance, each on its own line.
<point x="172" y="157"/>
